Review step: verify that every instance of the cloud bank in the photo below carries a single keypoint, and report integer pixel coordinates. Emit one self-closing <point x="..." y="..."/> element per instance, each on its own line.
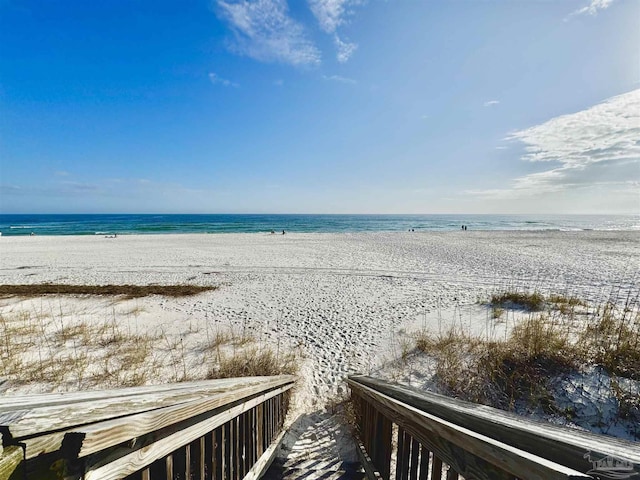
<point x="596" y="146"/>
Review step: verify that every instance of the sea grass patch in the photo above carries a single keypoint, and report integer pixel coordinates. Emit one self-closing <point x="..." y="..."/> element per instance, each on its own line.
<point x="129" y="291"/>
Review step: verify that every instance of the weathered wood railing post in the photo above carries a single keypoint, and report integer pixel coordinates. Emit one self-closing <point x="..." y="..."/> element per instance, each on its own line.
<point x="212" y="430"/>
<point x="439" y="437"/>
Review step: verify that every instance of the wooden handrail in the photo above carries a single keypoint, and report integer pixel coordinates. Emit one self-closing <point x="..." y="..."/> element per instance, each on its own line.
<point x="474" y="440"/>
<point x="199" y="428"/>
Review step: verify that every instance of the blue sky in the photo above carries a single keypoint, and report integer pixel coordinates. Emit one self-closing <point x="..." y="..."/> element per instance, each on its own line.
<point x="320" y="106"/>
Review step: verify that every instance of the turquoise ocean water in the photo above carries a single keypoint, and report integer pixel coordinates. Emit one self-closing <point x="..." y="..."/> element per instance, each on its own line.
<point x="105" y="224"/>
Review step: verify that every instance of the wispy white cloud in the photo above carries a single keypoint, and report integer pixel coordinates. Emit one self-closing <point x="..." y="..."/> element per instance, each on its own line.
<point x="338" y="78"/>
<point x="344" y="49"/>
<point x="265" y="31"/>
<point x="331" y="14"/>
<point x="591" y="9"/>
<point x="218" y="80"/>
<point x="491" y="103"/>
<point x="596" y="146"/>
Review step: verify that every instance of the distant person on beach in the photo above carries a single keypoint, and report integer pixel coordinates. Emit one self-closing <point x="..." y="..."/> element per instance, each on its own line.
<point x="283" y="232"/>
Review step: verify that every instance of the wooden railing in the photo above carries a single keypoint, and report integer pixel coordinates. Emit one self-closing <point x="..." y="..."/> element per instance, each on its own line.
<point x="406" y="434"/>
<point x="211" y="430"/>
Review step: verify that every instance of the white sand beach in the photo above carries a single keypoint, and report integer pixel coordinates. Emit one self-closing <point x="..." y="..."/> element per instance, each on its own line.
<point x="344" y="301"/>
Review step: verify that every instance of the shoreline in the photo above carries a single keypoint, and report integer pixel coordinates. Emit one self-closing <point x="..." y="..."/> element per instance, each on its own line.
<point x="109" y="235"/>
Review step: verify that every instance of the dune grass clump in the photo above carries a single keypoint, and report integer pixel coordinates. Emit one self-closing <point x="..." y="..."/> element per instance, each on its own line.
<point x="64" y="351"/>
<point x="254" y="362"/>
<point x="612" y="339"/>
<point x="128" y="291"/>
<point x="63" y="348"/>
<point x="500" y="373"/>
<point x="540" y="348"/>
<point x="533" y="302"/>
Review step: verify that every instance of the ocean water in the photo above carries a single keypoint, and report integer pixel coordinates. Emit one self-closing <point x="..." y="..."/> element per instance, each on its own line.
<point x="106" y="224"/>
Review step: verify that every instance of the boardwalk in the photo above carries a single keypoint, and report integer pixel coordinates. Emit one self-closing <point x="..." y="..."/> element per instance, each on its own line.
<point x="234" y="429"/>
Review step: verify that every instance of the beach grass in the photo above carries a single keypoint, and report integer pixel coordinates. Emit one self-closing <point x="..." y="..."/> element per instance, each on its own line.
<point x="128" y="291"/>
<point x="59" y="348"/>
<point x="559" y="336"/>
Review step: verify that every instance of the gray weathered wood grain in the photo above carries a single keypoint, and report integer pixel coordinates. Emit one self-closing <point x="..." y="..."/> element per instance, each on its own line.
<point x="86" y="440"/>
<point x="461" y="447"/>
<point x="10" y="459"/>
<point x="558" y="444"/>
<point x="22" y="423"/>
<point x="122" y="465"/>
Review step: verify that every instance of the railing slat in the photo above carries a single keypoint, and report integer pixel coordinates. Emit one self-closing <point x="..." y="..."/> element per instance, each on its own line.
<point x="555" y="443"/>
<point x="415" y="450"/>
<point x="424" y="462"/>
<point x="85" y="440"/>
<point x="10" y="459"/>
<point x="470" y="453"/>
<point x="23" y="421"/>
<point x="169" y="466"/>
<point x="119" y="465"/>
<point x="436" y="469"/>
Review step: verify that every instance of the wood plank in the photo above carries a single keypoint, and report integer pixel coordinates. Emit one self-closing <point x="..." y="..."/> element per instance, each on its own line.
<point x="169" y="466"/>
<point x="559" y="444"/>
<point x="260" y="432"/>
<point x="82" y="441"/>
<point x="121" y="466"/>
<point x="424" y="463"/>
<point x="51" y="442"/>
<point x="19" y="424"/>
<point x="402" y="458"/>
<point x="41" y="445"/>
<point x="436" y="468"/>
<point x="10" y="459"/>
<point x="27" y="402"/>
<point x="187" y="461"/>
<point x="218" y="454"/>
<point x="413" y="468"/>
<point x="462" y="448"/>
<point x="202" y="463"/>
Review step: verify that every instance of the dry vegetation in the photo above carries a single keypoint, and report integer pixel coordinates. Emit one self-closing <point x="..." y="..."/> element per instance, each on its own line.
<point x="57" y="348"/>
<point x="556" y="337"/>
<point x="128" y="291"/>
